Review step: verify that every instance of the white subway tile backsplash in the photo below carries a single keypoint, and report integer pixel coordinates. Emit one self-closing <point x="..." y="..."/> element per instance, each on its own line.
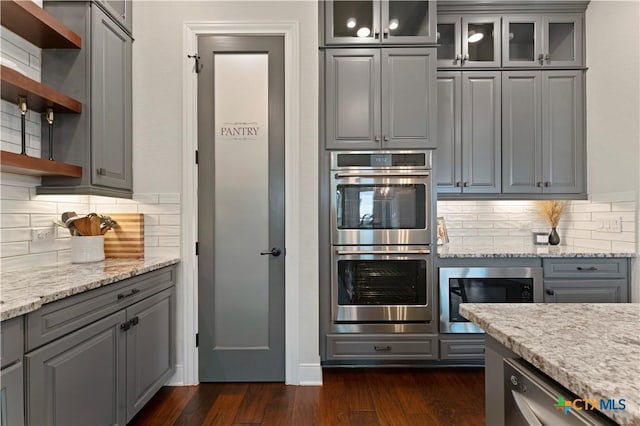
<point x="162" y="251"/>
<point x="150" y="241"/>
<point x="15" y="234"/>
<point x="169" y="241"/>
<point x="8" y="192"/>
<point x="169" y="219"/>
<point x="14" y="221"/>
<point x="159" y="209"/>
<point x="14" y="249"/>
<point x="169" y="198"/>
<point x="18" y="206"/>
<point x="146" y="198"/>
<point x="162" y="230"/>
<point x="511" y="223"/>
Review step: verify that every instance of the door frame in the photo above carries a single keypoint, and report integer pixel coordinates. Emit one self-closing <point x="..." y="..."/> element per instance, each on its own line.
<point x="188" y="300"/>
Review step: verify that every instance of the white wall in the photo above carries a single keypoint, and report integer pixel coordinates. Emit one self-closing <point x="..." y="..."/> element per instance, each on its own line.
<point x="157" y="117"/>
<point x="613" y="103"/>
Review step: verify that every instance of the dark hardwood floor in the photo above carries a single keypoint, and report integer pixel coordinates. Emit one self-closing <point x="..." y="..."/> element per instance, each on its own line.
<point x="389" y="396"/>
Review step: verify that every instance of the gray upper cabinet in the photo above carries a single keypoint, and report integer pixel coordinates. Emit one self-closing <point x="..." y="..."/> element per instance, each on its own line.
<point x="380" y="22"/>
<point x="543" y="125"/>
<point x="380" y="98"/>
<point x="99" y="75"/>
<point x="551" y="40"/>
<point x="469" y="41"/>
<point x="120" y="10"/>
<point x="469" y="132"/>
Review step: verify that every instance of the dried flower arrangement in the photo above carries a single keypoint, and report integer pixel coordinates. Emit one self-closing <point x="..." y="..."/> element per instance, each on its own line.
<point x="552" y="210"/>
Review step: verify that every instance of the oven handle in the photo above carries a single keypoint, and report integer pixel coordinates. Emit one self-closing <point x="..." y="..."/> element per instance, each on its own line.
<point x="361" y="252"/>
<point x="381" y="175"/>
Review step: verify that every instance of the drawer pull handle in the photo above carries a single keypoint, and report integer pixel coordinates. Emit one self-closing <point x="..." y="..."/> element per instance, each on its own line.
<point x="550" y="292"/>
<point x="134" y="321"/>
<point x="125" y="326"/>
<point x="591" y="268"/>
<point x="382" y="348"/>
<point x="125" y="295"/>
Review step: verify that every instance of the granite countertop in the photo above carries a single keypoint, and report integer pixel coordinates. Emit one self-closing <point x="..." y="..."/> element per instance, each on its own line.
<point x="591" y="349"/>
<point x="25" y="291"/>
<point x="452" y="251"/>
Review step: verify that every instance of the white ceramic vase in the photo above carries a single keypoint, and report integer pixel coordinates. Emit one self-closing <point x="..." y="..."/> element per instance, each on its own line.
<point x="87" y="249"/>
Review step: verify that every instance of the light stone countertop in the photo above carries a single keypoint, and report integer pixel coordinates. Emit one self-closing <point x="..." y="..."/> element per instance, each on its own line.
<point x="454" y="251"/>
<point x="25" y="291"/>
<point x="591" y="349"/>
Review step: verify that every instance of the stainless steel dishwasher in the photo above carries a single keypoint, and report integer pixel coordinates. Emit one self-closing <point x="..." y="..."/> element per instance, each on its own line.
<point x="530" y="396"/>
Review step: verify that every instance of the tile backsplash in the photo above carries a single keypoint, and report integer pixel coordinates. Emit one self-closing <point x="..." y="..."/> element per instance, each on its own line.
<point x="603" y="225"/>
<point x="21" y="211"/>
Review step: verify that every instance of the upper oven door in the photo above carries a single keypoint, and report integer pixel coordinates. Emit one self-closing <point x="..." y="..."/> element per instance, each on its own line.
<point x="381" y="284"/>
<point x="381" y="207"/>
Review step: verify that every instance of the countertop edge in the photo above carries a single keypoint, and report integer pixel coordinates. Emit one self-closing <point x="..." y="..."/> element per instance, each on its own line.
<point x="553" y="370"/>
<point x="30" y="303"/>
<point x="534" y="255"/>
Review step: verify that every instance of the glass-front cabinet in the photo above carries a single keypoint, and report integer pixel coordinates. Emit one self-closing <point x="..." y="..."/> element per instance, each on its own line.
<point x="553" y="40"/>
<point x="468" y="41"/>
<point x="375" y="22"/>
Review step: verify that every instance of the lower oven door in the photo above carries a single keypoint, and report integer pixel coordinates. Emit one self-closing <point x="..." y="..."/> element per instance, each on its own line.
<point x="381" y="284"/>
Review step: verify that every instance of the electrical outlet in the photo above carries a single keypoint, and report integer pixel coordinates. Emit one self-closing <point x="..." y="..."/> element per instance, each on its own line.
<point x="42" y="234"/>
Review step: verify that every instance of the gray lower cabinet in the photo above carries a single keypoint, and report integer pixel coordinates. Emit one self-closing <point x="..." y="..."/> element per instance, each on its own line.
<point x="359" y="347"/>
<point x="11" y="375"/>
<point x="150" y="350"/>
<point x="105" y="367"/>
<point x="463" y="349"/>
<point x="99" y="75"/>
<point x="586" y="280"/>
<point x="542" y="132"/>
<point x="468" y="158"/>
<point x="80" y="378"/>
<point x="380" y="98"/>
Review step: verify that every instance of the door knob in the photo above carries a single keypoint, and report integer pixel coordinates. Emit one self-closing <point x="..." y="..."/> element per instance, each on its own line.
<point x="275" y="252"/>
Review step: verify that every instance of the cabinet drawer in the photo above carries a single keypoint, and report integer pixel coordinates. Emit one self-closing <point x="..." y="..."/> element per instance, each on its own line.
<point x="375" y="346"/>
<point x="586" y="291"/>
<point x="585" y="268"/>
<point x="462" y="348"/>
<point x="56" y="319"/>
<point x="11" y="341"/>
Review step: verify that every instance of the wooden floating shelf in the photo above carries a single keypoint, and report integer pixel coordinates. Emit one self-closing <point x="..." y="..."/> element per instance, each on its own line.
<point x="39" y="97"/>
<point x="33" y="166"/>
<point x="34" y="24"/>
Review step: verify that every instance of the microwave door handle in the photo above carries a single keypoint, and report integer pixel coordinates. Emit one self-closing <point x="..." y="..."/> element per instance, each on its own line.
<point x="381" y="175"/>
<point x="361" y="252"/>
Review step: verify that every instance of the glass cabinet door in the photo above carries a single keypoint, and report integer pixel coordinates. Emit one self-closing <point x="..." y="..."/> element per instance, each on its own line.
<point x="448" y="39"/>
<point x="352" y="22"/>
<point x="563" y="40"/>
<point x="521" y="41"/>
<point x="480" y="41"/>
<point x="408" y="21"/>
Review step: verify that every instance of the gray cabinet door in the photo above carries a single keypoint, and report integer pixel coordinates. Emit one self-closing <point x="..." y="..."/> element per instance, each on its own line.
<point x="150" y="348"/>
<point x="562" y="132"/>
<point x="353" y="85"/>
<point x="111" y="104"/>
<point x="120" y="10"/>
<point x="563" y="40"/>
<point x="80" y="378"/>
<point x="408" y="98"/>
<point x="345" y="21"/>
<point x="481" y="131"/>
<point x="408" y="22"/>
<point x="448" y="156"/>
<point x="480" y="41"/>
<point x="522" y="41"/>
<point x="449" y="43"/>
<point x="12" y="396"/>
<point x="586" y="291"/>
<point x="521" y="132"/>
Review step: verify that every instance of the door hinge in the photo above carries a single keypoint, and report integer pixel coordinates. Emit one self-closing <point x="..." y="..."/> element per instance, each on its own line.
<point x="197" y="340"/>
<point x="197" y="58"/>
<point x="196" y="156"/>
<point x="197" y="248"/>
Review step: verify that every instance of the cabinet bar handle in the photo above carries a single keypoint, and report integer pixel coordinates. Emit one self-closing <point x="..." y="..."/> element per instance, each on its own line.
<point x="541" y="58"/>
<point x="125" y="326"/>
<point x="385" y="33"/>
<point x="547" y="58"/>
<point x="376" y="33"/>
<point x="457" y="58"/>
<point x="385" y="138"/>
<point x="590" y="268"/>
<point x="539" y="184"/>
<point x="125" y="295"/>
<point x="547" y="184"/>
<point x="466" y="184"/>
<point x="550" y="292"/>
<point x="382" y="348"/>
<point x="458" y="184"/>
<point x="101" y="171"/>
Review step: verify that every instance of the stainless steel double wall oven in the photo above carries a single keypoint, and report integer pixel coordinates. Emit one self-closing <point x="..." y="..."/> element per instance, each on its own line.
<point x="381" y="238"/>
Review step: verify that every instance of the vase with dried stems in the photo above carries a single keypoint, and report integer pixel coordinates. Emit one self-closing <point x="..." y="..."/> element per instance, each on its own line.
<point x="551" y="211"/>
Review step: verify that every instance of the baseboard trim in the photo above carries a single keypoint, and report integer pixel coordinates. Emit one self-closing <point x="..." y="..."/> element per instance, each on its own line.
<point x="178" y="377"/>
<point x="310" y="375"/>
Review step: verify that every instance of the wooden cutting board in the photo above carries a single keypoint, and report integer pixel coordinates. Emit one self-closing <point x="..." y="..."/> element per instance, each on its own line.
<point x="126" y="240"/>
